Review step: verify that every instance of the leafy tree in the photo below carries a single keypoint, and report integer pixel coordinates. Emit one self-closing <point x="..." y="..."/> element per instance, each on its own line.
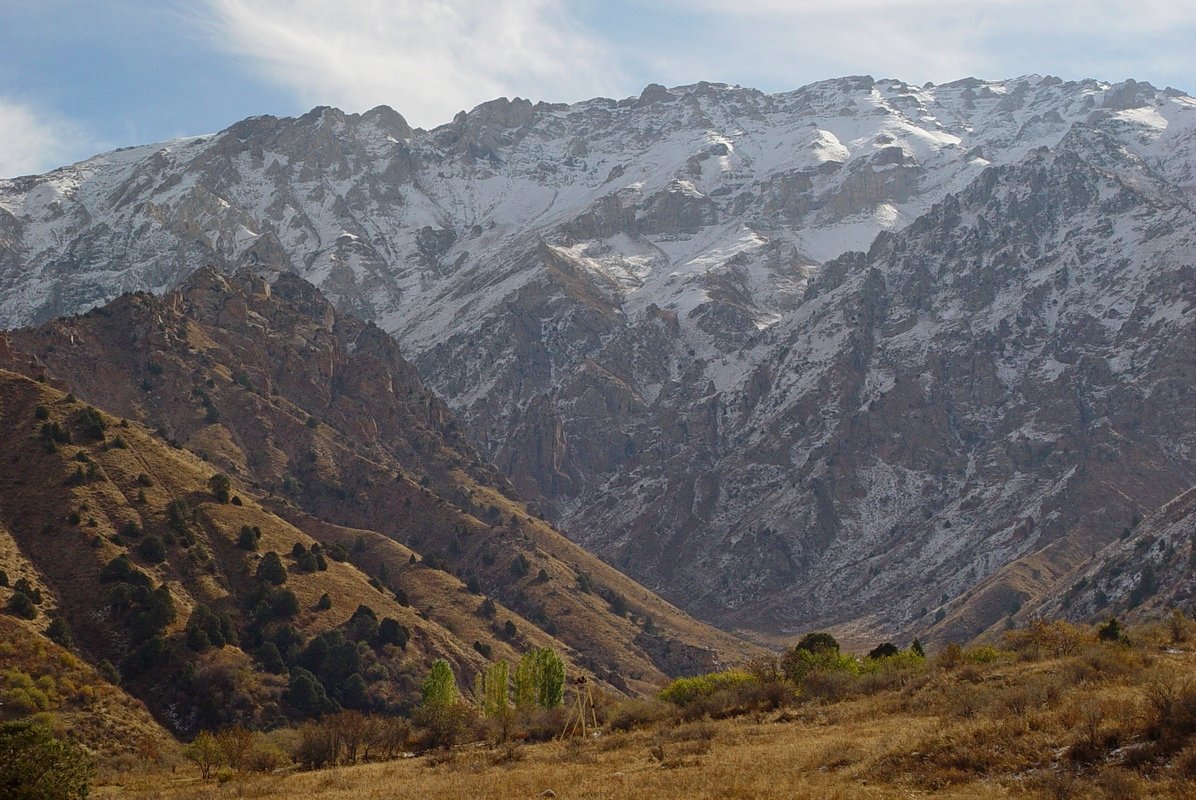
<point x="221" y="487"/>
<point x="819" y="642"/>
<point x="488" y="609"/>
<point x="1110" y="631"/>
<point x="491" y="690"/>
<point x="3" y="578"/>
<point x="540" y="679"/>
<point x="441" y="711"/>
<point x="307" y="695"/>
<point x="36" y="765"/>
<point x="325" y="602"/>
<point x="271" y="569"/>
<point x="917" y="649"/>
<point x="206" y="753"/>
<point x="440" y="687"/>
<point x="885" y="650"/>
<point x="520" y="567"/>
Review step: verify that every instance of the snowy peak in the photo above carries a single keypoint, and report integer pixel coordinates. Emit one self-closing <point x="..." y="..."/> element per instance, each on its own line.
<point x="746" y="316"/>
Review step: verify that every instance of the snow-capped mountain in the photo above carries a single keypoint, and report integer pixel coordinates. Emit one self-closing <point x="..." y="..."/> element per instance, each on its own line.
<point x="644" y="312"/>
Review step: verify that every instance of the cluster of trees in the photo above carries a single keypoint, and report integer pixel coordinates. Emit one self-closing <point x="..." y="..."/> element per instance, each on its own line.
<point x="144" y="609"/>
<point x="25" y="597"/>
<point x="539" y="684"/>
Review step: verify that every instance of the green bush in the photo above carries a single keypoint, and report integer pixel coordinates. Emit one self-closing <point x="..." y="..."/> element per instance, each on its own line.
<point x="684" y="691"/>
<point x="221" y="487"/>
<point x="36" y="765"/>
<point x="152" y="549"/>
<point x="271" y="569"/>
<point x="799" y="662"/>
<point x="22" y="606"/>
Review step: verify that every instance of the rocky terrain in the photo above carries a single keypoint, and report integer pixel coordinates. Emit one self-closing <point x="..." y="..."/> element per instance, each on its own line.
<point x="649" y="315"/>
<point x="330" y="441"/>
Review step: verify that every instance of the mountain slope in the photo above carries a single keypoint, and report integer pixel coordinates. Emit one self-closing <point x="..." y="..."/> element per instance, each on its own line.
<point x="318" y="414"/>
<point x="78" y="501"/>
<point x="640" y="311"/>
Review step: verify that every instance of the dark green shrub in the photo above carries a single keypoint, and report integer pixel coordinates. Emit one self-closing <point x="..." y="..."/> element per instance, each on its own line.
<point x="819" y="642"/>
<point x="92" y="423"/>
<point x="488" y="608"/>
<point x="306" y="695"/>
<point x="178" y="514"/>
<point x="36" y="765"/>
<point x="21" y="605"/>
<point x="152" y="549"/>
<point x="390" y="631"/>
<point x="270" y="658"/>
<point x="883" y="651"/>
<point x="271" y="570"/>
<point x="249" y="537"/>
<point x="60" y="633"/>
<point x="221" y="487"/>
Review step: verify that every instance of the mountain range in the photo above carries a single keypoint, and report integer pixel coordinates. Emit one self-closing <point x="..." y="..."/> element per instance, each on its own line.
<point x="885" y="358"/>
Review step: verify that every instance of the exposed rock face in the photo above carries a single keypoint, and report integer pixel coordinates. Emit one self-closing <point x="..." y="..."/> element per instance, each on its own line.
<point x="1150" y="568"/>
<point x="645" y="313"/>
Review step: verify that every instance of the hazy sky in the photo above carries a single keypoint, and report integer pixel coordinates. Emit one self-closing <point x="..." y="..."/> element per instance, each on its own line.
<point x="82" y="76"/>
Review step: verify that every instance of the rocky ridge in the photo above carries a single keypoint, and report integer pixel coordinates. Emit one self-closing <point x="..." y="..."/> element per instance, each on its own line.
<point x="641" y="312"/>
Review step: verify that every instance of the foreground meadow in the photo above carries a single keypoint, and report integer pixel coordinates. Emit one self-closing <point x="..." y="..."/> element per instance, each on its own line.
<point x="1056" y="715"/>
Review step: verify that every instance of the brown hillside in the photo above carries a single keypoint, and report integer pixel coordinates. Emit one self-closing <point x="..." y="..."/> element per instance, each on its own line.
<point x="318" y="412"/>
<point x="58" y="531"/>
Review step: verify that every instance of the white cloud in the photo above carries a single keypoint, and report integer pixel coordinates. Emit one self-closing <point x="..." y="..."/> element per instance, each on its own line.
<point x="31" y="142"/>
<point x="426" y="58"/>
<point x="789" y="42"/>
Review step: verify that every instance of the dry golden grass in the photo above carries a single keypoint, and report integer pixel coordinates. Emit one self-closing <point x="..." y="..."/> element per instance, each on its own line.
<point x="73" y="699"/>
<point x="1077" y="726"/>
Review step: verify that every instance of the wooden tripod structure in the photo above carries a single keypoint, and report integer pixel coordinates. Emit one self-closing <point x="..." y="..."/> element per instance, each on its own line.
<point x="582" y="719"/>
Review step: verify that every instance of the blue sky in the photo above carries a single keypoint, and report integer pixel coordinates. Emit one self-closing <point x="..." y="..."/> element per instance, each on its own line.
<point x="80" y="77"/>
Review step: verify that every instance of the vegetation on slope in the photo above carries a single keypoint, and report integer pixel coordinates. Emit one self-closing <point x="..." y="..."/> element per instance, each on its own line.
<point x="1055" y="711"/>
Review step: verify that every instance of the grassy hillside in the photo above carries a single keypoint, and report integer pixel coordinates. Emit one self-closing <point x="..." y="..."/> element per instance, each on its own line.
<point x="316" y="413"/>
<point x="122" y="539"/>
